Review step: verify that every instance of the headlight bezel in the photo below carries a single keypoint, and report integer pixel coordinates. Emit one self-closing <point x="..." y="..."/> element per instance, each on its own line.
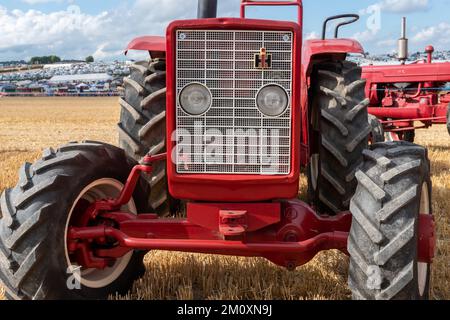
<point x="265" y="111"/>
<point x="183" y="107"/>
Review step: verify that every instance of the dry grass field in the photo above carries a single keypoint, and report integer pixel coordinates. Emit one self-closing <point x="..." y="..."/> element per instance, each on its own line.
<point x="29" y="125"/>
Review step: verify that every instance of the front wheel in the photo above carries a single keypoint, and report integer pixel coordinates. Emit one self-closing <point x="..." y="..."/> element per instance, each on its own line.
<point x="51" y="196"/>
<point x="394" y="188"/>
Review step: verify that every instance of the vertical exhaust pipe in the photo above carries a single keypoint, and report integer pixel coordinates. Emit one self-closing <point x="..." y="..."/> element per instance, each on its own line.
<point x="207" y="9"/>
<point x="403" y="28"/>
<point x="403" y="44"/>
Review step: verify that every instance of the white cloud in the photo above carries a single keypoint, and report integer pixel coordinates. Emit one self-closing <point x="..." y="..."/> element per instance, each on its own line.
<point x="311" y="36"/>
<point x="32" y="2"/>
<point x="397" y="6"/>
<point x="387" y="43"/>
<point x="436" y="35"/>
<point x="72" y="33"/>
<point x="404" y="6"/>
<point x="373" y="15"/>
<point x="365" y="36"/>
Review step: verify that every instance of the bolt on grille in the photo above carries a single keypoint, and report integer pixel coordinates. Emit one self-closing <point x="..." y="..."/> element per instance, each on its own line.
<point x="233" y="137"/>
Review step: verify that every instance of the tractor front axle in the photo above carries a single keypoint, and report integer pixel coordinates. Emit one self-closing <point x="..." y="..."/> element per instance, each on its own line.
<point x="288" y="233"/>
<point x="284" y="253"/>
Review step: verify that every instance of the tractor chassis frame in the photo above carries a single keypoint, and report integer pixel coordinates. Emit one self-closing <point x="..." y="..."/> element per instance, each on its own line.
<point x="289" y="233"/>
<point x="403" y="119"/>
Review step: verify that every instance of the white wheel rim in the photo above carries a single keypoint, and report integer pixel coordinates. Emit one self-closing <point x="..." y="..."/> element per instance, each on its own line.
<point x="95" y="278"/>
<point x="314" y="167"/>
<point x="389" y="137"/>
<point x="422" y="267"/>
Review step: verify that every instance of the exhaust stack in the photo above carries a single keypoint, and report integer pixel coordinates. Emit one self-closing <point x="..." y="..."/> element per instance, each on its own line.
<point x="403" y="44"/>
<point x="207" y="9"/>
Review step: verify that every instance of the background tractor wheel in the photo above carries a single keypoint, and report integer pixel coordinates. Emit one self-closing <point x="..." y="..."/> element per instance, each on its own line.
<point x="394" y="186"/>
<point x="142" y="127"/>
<point x="36" y="214"/>
<point x="340" y="134"/>
<point x="377" y="133"/>
<point x="409" y="136"/>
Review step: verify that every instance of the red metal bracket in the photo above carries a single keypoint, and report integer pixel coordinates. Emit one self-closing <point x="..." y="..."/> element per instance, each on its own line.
<point x="232" y="223"/>
<point x="127" y="192"/>
<point x="257" y="215"/>
<point x="149" y="159"/>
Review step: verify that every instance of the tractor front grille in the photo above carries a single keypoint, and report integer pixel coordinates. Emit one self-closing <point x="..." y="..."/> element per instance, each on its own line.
<point x="233" y="137"/>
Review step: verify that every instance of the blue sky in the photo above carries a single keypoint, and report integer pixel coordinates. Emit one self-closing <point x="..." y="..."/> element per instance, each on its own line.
<point x="77" y="28"/>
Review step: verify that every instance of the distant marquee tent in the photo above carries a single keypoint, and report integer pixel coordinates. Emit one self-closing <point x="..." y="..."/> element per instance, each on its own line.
<point x="58" y="65"/>
<point x="93" y="77"/>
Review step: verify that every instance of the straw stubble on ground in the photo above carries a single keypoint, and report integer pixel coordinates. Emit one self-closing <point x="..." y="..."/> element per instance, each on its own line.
<point x="28" y="125"/>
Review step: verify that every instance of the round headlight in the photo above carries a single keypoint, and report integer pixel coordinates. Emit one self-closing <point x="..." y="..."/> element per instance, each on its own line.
<point x="272" y="100"/>
<point x="195" y="99"/>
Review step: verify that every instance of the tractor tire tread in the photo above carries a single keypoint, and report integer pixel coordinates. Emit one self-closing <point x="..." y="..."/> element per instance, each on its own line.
<point x="142" y="127"/>
<point x="343" y="133"/>
<point x="385" y="209"/>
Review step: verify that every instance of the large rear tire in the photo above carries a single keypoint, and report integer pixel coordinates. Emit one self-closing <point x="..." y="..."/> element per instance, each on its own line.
<point x="394" y="187"/>
<point x="35" y="215"/>
<point x="340" y="134"/>
<point x="142" y="127"/>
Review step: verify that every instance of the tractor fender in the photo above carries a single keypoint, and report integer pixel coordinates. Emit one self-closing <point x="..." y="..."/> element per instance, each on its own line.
<point x="155" y="45"/>
<point x="320" y="49"/>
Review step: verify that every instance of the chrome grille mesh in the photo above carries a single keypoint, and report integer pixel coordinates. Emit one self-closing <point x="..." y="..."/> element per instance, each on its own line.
<point x="233" y="137"/>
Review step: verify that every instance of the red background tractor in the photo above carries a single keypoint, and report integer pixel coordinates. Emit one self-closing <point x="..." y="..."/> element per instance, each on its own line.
<point x="407" y="97"/>
<point x="221" y="120"/>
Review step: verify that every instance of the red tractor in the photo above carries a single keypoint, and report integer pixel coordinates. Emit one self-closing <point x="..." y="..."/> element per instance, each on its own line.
<point x="404" y="98"/>
<point x="216" y="128"/>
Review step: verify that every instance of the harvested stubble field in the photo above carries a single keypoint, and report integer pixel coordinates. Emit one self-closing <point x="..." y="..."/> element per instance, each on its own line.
<point x="28" y="125"/>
